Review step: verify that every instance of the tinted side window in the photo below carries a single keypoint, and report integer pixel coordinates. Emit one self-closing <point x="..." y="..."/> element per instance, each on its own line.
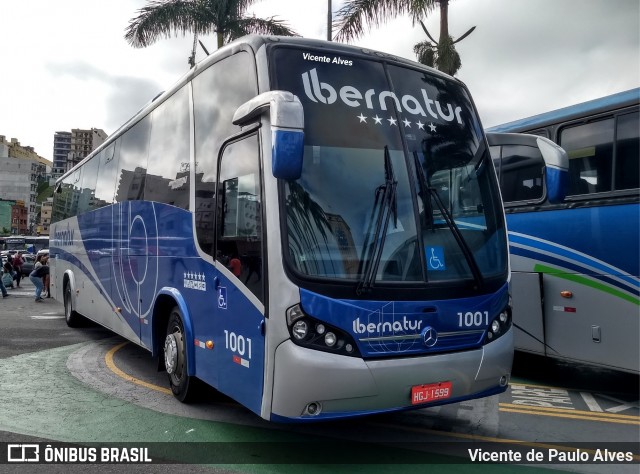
<point x="217" y="93"/>
<point x="627" y="152"/>
<point x="521" y="171"/>
<point x="240" y="213"/>
<point x="167" y="177"/>
<point x="590" y="150"/>
<point x="90" y="172"/>
<point x="106" y="184"/>
<point x="65" y="198"/>
<point x="132" y="168"/>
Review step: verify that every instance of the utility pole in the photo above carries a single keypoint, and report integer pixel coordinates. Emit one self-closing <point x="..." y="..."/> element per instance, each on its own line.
<point x="329" y="20"/>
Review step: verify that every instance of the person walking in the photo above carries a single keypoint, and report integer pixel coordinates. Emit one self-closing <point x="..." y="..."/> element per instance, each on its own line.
<point x="3" y="289"/>
<point x="17" y="266"/>
<point x="8" y="275"/>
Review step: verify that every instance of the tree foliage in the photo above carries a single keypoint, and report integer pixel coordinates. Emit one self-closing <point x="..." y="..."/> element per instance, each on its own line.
<point x="355" y="15"/>
<point x="226" y="18"/>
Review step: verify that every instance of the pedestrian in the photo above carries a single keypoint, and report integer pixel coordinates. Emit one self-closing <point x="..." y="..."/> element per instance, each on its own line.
<point x="17" y="266"/>
<point x="37" y="278"/>
<point x="8" y="275"/>
<point x="3" y="289"/>
<point x="45" y="279"/>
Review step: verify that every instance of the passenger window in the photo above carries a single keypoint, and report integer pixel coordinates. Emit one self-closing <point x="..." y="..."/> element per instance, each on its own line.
<point x="627" y="151"/>
<point x="64" y="204"/>
<point x="239" y="236"/>
<point x="87" y="195"/>
<point x="590" y="150"/>
<point x="167" y="179"/>
<point x="521" y="171"/>
<point x="105" y="187"/>
<point x="132" y="169"/>
<point x="217" y="94"/>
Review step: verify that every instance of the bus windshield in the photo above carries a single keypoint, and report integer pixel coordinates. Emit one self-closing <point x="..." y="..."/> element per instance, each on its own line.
<point x="371" y="126"/>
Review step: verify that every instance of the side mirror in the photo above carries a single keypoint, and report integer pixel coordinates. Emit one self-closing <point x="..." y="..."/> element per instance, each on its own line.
<point x="287" y="129"/>
<point x="556" y="161"/>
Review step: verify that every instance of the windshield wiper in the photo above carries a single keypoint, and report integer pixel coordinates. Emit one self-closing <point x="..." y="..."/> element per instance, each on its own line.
<point x="385" y="204"/>
<point x="462" y="243"/>
<point x="425" y="195"/>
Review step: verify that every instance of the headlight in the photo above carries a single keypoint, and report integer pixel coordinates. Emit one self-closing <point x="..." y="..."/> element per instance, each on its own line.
<point x="300" y="329"/>
<point x="307" y="331"/>
<point x="499" y="325"/>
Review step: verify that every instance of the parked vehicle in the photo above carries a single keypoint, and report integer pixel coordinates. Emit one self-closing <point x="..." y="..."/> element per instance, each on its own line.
<point x="27" y="265"/>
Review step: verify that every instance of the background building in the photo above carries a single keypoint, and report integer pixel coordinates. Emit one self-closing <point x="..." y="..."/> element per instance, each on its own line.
<point x="46" y="209"/>
<point x="83" y="142"/>
<point x="21" y="171"/>
<point x="61" y="150"/>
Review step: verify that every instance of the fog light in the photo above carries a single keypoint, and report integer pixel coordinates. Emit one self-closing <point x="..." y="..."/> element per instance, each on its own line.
<point x="313" y="408"/>
<point x="503" y="317"/>
<point x="300" y="330"/>
<point x="330" y="339"/>
<point x="489" y="335"/>
<point x="348" y="348"/>
<point x="320" y="329"/>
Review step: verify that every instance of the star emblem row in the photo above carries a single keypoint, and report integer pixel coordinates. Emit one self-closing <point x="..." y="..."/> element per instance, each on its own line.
<point x="392" y="121"/>
<point x="194" y="276"/>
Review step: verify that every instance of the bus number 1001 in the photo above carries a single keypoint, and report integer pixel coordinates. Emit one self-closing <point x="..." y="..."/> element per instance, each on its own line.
<point x="237" y="343"/>
<point x="469" y="319"/>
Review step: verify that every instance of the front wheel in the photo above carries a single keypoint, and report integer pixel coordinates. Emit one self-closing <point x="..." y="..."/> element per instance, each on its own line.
<point x="175" y="358"/>
<point x="72" y="318"/>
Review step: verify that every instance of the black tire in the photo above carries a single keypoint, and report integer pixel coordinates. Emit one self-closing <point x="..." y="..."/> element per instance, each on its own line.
<point x="175" y="359"/>
<point x="70" y="315"/>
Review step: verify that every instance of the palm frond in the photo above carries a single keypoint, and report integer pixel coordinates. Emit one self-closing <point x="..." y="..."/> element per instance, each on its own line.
<point x="355" y="14"/>
<point x="425" y="53"/>
<point x="258" y="26"/>
<point x="161" y="19"/>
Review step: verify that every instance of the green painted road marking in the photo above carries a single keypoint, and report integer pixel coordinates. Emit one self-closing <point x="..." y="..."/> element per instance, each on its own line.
<point x="41" y="398"/>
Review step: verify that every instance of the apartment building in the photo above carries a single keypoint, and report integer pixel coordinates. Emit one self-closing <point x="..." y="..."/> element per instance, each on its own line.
<point x="21" y="169"/>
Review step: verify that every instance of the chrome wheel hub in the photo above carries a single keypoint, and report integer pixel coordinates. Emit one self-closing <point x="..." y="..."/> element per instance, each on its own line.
<point x="171" y="353"/>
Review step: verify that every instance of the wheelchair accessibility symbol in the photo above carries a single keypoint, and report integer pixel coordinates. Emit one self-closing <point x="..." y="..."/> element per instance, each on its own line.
<point x="222" y="297"/>
<point x="435" y="259"/>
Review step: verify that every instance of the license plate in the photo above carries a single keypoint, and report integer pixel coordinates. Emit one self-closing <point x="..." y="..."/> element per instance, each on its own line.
<point x="430" y="392"/>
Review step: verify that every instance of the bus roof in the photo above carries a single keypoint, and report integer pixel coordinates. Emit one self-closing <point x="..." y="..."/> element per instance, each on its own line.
<point x="603" y="104"/>
<point x="252" y="42"/>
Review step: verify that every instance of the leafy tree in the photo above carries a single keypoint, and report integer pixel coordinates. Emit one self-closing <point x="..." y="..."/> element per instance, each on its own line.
<point x="226" y="18"/>
<point x="441" y="54"/>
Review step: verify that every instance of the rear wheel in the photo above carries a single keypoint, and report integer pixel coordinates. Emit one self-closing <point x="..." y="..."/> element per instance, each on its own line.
<point x="72" y="318"/>
<point x="175" y="358"/>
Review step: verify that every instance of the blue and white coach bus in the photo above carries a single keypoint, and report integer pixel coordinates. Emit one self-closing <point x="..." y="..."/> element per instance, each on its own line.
<point x="575" y="245"/>
<point x="313" y="229"/>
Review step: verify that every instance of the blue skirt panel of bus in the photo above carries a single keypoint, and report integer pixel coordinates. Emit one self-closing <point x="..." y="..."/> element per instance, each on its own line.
<point x="392" y="328"/>
<point x="571" y="241"/>
<point x="149" y="250"/>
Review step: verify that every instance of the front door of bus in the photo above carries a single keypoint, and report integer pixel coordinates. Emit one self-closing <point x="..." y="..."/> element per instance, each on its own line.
<point x="240" y="286"/>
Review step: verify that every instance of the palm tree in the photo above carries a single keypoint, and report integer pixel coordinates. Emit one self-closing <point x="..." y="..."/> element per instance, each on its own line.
<point x="226" y="18"/>
<point x="441" y="54"/>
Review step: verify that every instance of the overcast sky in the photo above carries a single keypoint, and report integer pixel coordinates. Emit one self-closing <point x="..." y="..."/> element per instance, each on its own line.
<point x="65" y="63"/>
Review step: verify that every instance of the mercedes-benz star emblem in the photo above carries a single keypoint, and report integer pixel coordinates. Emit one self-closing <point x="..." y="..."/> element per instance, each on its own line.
<point x="429" y="336"/>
